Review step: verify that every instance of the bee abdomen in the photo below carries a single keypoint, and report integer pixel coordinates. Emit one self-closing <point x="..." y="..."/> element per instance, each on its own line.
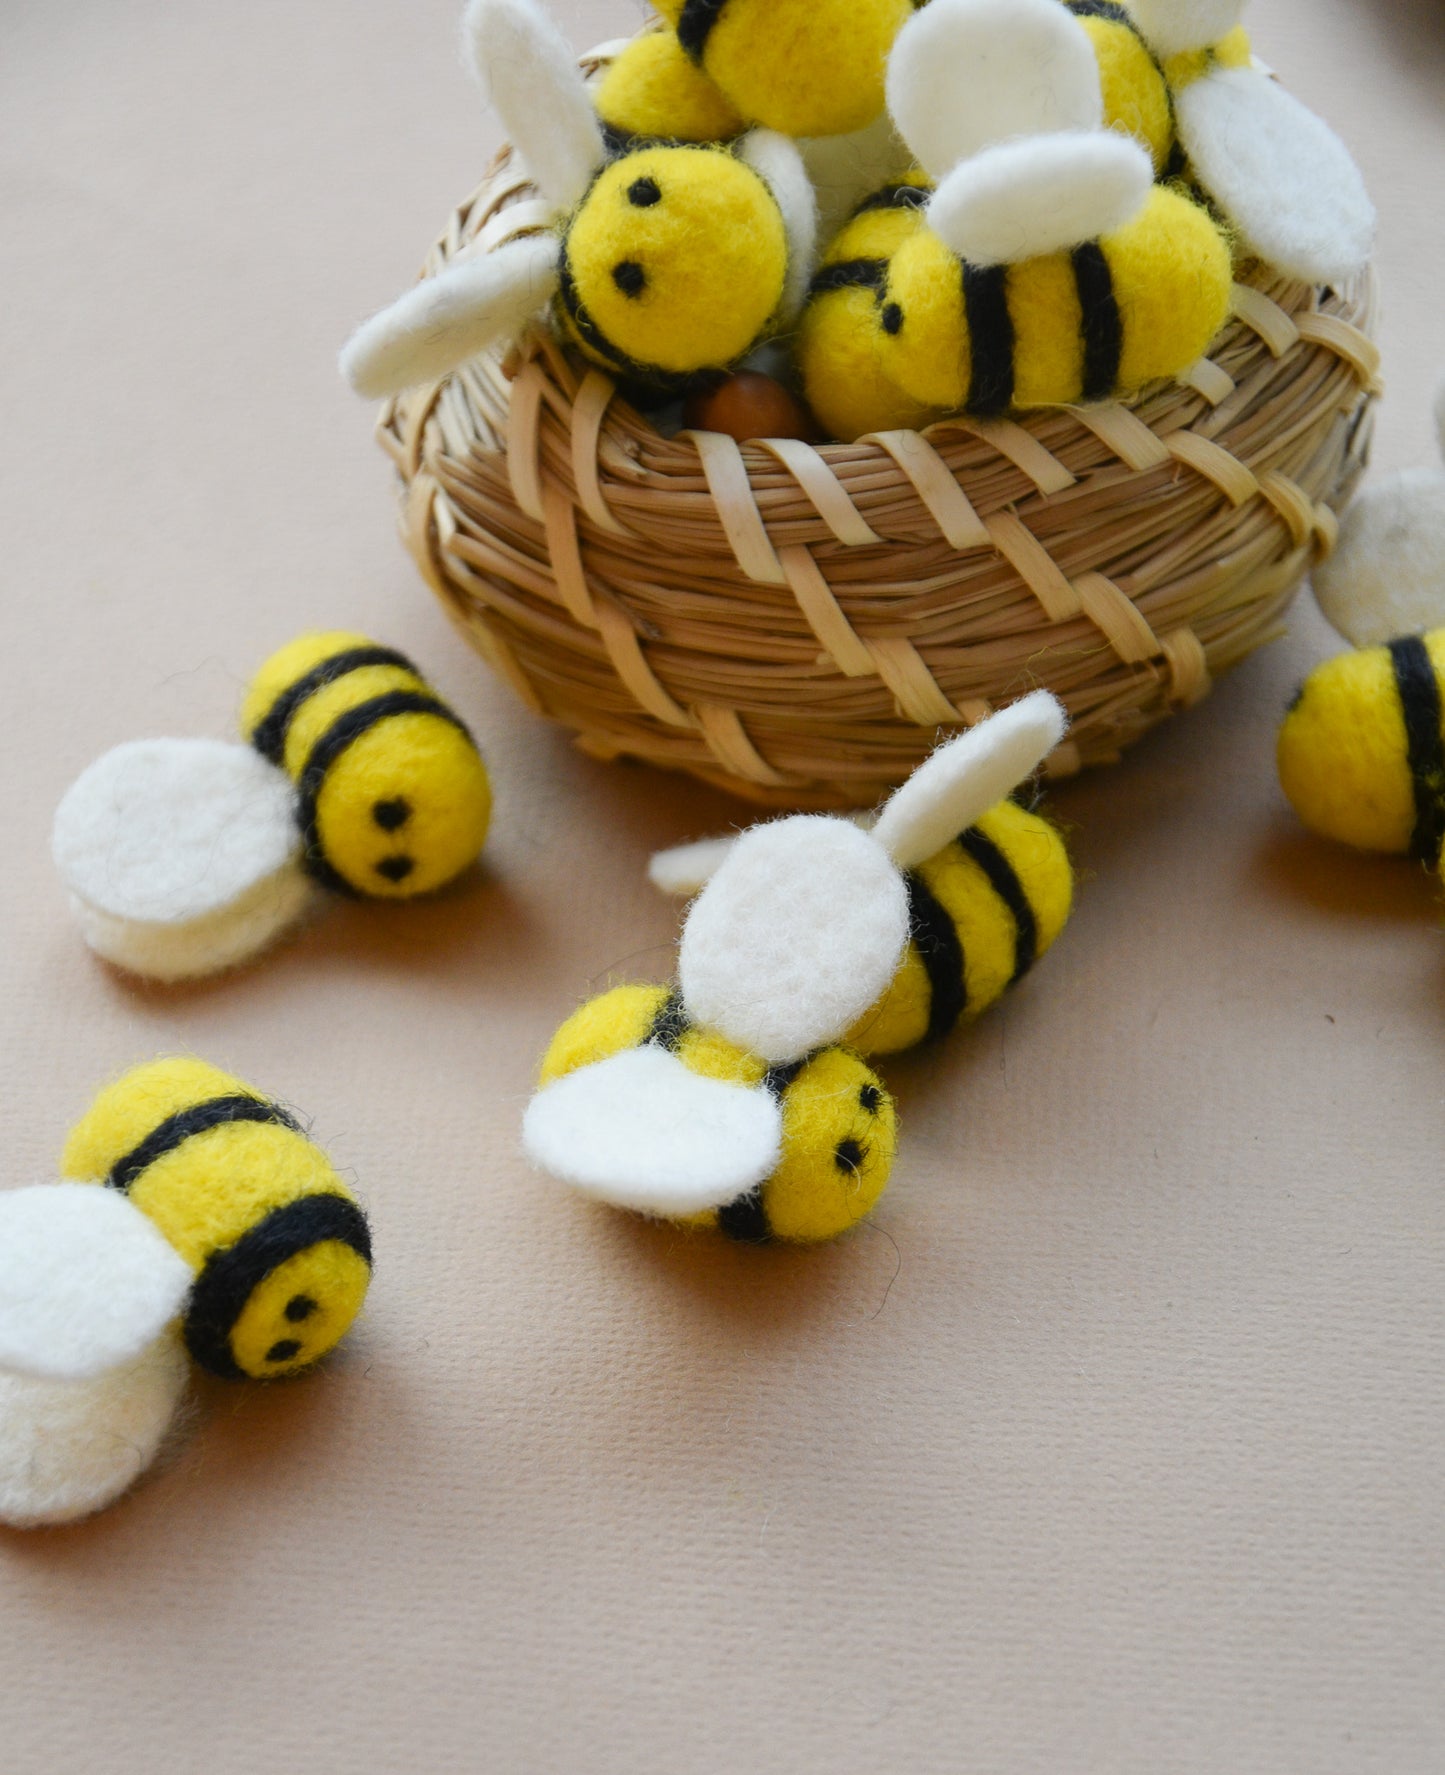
<point x="1003" y="878"/>
<point x="269" y="734"/>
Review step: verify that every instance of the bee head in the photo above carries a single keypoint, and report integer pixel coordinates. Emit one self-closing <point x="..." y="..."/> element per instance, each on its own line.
<point x="675" y="261"/>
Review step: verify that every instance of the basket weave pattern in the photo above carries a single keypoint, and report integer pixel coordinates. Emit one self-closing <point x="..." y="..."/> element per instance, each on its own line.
<point x="797" y="623"/>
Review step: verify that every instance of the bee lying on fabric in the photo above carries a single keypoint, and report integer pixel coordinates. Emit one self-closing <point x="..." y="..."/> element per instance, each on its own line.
<point x="733" y="1100"/>
<point x="1182" y="76"/>
<point x="665" y="264"/>
<point x="197" y="1218"/>
<point x="1046" y="268"/>
<point x="184" y="857"/>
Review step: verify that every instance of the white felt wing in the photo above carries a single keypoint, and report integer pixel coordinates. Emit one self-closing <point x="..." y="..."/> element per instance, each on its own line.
<point x="1045" y="194"/>
<point x="780" y="166"/>
<point x="181" y="856"/>
<point x="1279" y="173"/>
<point x="527" y="69"/>
<point x="967" y="776"/>
<point x="797" y="933"/>
<point x="86" y="1281"/>
<point x="686" y="868"/>
<point x="1174" y="27"/>
<point x="966" y="73"/>
<point x="444" y="320"/>
<point x="639" y="1130"/>
<point x="68" y="1448"/>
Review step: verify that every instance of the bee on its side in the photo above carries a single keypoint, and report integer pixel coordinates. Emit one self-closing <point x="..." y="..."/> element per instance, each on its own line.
<point x="733" y="1100"/>
<point x="981" y="911"/>
<point x="1050" y="270"/>
<point x="665" y="263"/>
<point x="1361" y="752"/>
<point x="195" y="1214"/>
<point x="183" y="857"/>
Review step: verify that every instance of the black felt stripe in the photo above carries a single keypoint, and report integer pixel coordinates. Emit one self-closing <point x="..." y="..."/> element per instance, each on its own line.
<point x="1104" y="9"/>
<point x="650" y="377"/>
<point x="186" y="1124"/>
<point x="669" y="1026"/>
<point x="746" y="1219"/>
<point x="1419" y="692"/>
<point x="1102" y="325"/>
<point x="695" y="23"/>
<point x="1004" y="880"/>
<point x="344" y="731"/>
<point x="936" y="939"/>
<point x="991" y="339"/>
<point x="895" y="197"/>
<point x="230" y="1277"/>
<point x="269" y="734"/>
<point x="849" y="274"/>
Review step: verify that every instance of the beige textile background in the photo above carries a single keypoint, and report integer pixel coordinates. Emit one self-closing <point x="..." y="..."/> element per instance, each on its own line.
<point x="1115" y="1445"/>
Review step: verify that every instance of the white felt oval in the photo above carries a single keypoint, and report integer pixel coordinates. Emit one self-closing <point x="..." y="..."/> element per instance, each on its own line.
<point x="778" y="163"/>
<point x="639" y="1130"/>
<point x="1171" y="27"/>
<point x="222" y="939"/>
<point x="166" y="831"/>
<point x="795" y="936"/>
<point x="963" y="779"/>
<point x="68" y="1448"/>
<point x="1044" y="194"/>
<point x="86" y="1281"/>
<point x="966" y="73"/>
<point x="686" y="868"/>
<point x="1280" y="174"/>
<point x="1387" y="575"/>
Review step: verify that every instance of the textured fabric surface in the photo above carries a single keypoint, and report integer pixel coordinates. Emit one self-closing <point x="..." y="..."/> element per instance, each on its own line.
<point x="1111" y="1447"/>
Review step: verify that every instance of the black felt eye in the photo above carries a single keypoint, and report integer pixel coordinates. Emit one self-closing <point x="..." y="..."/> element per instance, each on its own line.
<point x="391" y="814"/>
<point x="643" y="193"/>
<point x="871" y="1099"/>
<point x="848" y="1155"/>
<point x="396" y="868"/>
<point x="629" y="277"/>
<point x="892" y="318"/>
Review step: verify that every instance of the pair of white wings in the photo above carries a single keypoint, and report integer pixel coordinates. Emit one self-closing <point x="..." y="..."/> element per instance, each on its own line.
<point x="799" y="929"/>
<point x="181" y="856"/>
<point x="1000" y="102"/>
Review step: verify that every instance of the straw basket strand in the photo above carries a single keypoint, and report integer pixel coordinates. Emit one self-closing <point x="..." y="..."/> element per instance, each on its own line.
<point x="797" y="623"/>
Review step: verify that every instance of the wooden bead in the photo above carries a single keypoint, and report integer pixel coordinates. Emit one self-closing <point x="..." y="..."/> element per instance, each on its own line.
<point x="750" y="405"/>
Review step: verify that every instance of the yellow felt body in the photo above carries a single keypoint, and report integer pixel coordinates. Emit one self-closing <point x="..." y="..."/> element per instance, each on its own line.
<point x="811" y="1195"/>
<point x="986" y="928"/>
<point x="410" y="794"/>
<point x="929" y="356"/>
<point x="653" y="89"/>
<point x="1173" y="280"/>
<point x="213" y="1188"/>
<point x="1043" y="302"/>
<point x="1343" y="750"/>
<point x="711" y="248"/>
<point x="1136" y="95"/>
<point x="805" y="67"/>
<point x="837" y="343"/>
<point x="1232" y="51"/>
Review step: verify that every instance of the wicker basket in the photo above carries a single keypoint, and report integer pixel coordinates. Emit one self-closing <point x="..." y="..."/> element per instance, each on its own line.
<point x="796" y="624"/>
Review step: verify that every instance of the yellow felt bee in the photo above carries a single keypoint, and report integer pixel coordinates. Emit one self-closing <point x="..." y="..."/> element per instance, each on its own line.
<point x="1361" y="751"/>
<point x="981" y="911"/>
<point x="195" y="1216"/>
<point x="1181" y="75"/>
<point x="665" y="264"/>
<point x="183" y="857"/>
<point x="802" y="67"/>
<point x="1050" y="270"/>
<point x="729" y="1101"/>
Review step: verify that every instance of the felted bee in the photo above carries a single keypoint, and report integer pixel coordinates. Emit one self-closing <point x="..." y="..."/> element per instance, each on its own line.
<point x="1181" y="75"/>
<point x="183" y="857"/>
<point x="1050" y="269"/>
<point x="1361" y="751"/>
<point x="196" y="1218"/>
<point x="665" y="264"/>
<point x="981" y="911"/>
<point x="729" y="1100"/>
